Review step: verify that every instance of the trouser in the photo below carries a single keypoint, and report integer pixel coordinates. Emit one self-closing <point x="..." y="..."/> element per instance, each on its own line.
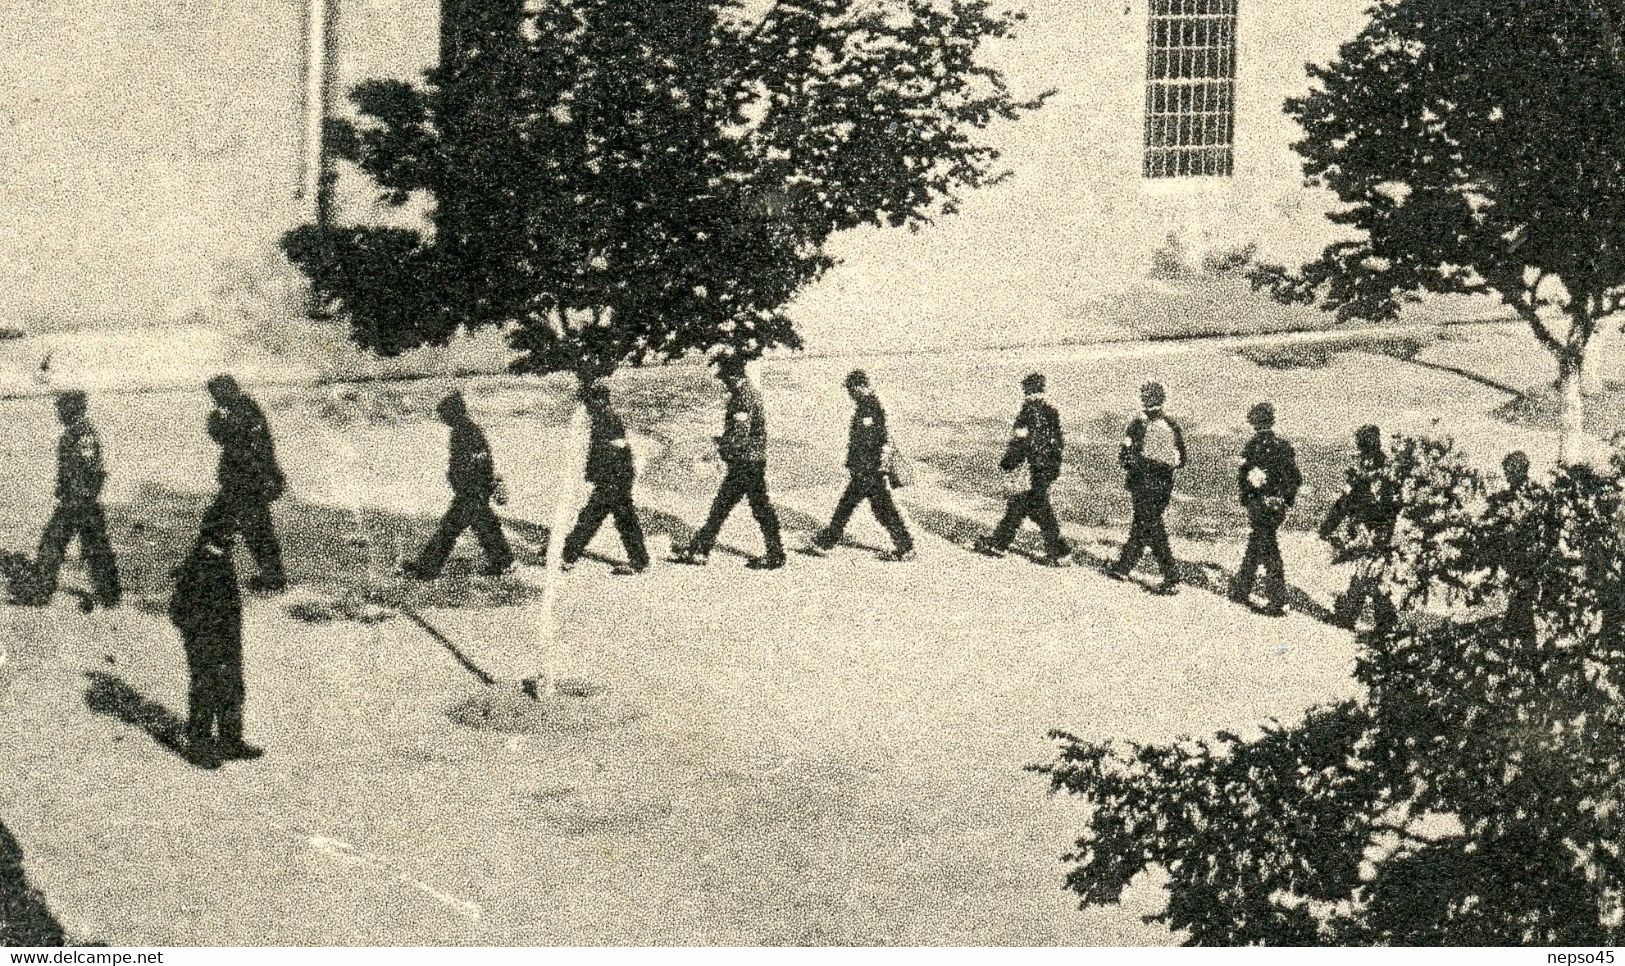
<point x="1031" y="504"/>
<point x="250" y="516"/>
<point x="466" y="511"/>
<point x="1147" y="531"/>
<point x="608" y="500"/>
<point x="1263" y="552"/>
<point x="214" y="702"/>
<point x="747" y="481"/>
<point x="1365" y="585"/>
<point x="84" y="520"/>
<point x="876" y="488"/>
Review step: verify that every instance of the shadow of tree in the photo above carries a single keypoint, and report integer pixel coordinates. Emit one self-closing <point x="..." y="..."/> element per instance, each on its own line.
<point x="111" y="695"/>
<point x="25" y="919"/>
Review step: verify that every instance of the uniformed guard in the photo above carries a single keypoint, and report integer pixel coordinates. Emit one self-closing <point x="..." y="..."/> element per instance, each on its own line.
<point x="1036" y="440"/>
<point x="474" y="485"/>
<point x="250" y="479"/>
<point x="80" y="476"/>
<point x="743" y="448"/>
<point x="1153" y="448"/>
<point x="207" y="609"/>
<point x="1268" y="483"/>
<point x="1501" y="543"/>
<point x="611" y="471"/>
<point x="1360" y="527"/>
<point x="868" y="447"/>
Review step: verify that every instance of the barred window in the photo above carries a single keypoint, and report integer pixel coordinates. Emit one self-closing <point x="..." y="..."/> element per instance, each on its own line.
<point x="1190" y="95"/>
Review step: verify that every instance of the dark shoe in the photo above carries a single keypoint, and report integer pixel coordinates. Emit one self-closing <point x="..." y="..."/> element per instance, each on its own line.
<point x="900" y="556"/>
<point x="204" y="753"/>
<point x="1272" y="610"/>
<point x="1055" y="560"/>
<point x="769" y="562"/>
<point x="988" y="548"/>
<point x="628" y="570"/>
<point x="816" y="549"/>
<point x="240" y="751"/>
<point x="691" y="557"/>
<point x="267" y="584"/>
<point x="1167" y="588"/>
<point x="1116" y="573"/>
<point x="565" y="566"/>
<point x="417" y="572"/>
<point x="496" y="569"/>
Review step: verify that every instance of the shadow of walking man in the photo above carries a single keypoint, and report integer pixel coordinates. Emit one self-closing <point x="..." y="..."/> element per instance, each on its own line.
<point x="109" y="694"/>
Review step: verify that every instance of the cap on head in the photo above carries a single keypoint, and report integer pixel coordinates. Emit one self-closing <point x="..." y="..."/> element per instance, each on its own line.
<point x="1515" y="465"/>
<point x="1261" y="416"/>
<point x="224" y="386"/>
<point x="1368" y="438"/>
<point x="451" y="407"/>
<point x="71" y="403"/>
<point x="856" y="378"/>
<point x="1152" y="395"/>
<point x="1033" y="384"/>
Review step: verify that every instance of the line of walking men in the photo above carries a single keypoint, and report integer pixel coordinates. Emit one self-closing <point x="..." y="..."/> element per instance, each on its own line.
<point x="206" y="603"/>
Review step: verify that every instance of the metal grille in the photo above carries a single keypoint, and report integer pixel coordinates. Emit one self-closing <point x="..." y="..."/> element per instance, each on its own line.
<point x="1190" y="90"/>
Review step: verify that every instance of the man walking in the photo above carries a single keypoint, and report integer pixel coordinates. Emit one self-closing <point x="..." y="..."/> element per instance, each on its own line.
<point x="80" y="476"/>
<point x="1153" y="448"/>
<point x="474" y="485"/>
<point x="207" y="609"/>
<point x="1360" y="526"/>
<point x="250" y="479"/>
<point x="1035" y="440"/>
<point x="868" y="447"/>
<point x="610" y="470"/>
<point x="743" y="448"/>
<point x="1268" y="482"/>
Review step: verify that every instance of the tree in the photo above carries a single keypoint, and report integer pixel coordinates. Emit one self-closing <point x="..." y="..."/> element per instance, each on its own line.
<point x="1473" y="147"/>
<point x="1471" y="796"/>
<point x="631" y="180"/>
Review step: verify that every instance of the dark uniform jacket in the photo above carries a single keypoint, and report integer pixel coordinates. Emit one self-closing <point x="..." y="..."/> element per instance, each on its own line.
<point x="1366" y="504"/>
<point x="744" y="427"/>
<point x="207" y="609"/>
<point x="1036" y="440"/>
<point x="80" y="473"/>
<point x="866" y="440"/>
<point x="1143" y="465"/>
<point x="1269" y="478"/>
<point x="469" y="468"/>
<point x="609" y="453"/>
<point x="248" y="464"/>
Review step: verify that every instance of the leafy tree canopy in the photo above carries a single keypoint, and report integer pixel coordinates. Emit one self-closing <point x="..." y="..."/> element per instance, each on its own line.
<point x="1472" y="795"/>
<point x="632" y="180"/>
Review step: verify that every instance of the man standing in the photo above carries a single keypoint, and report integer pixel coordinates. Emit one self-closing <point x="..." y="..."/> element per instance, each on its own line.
<point x="250" y="479"/>
<point x="611" y="471"/>
<point x="743" y="447"/>
<point x="1268" y="482"/>
<point x="867" y="448"/>
<point x="1152" y="449"/>
<point x="207" y="610"/>
<point x="80" y="476"/>
<point x="1360" y="527"/>
<point x="1503" y="543"/>
<point x="474" y="484"/>
<point x="1035" y="440"/>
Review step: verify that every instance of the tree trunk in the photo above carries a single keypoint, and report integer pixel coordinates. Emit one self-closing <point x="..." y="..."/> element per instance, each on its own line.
<point x="1570" y="389"/>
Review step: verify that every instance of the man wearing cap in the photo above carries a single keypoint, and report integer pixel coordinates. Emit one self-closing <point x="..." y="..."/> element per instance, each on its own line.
<point x="1153" y="448"/>
<point x="1360" y="526"/>
<point x="743" y="448"/>
<point x="1036" y="440"/>
<point x="611" y="471"/>
<point x="207" y="609"/>
<point x="474" y="484"/>
<point x="250" y="479"/>
<point x="80" y="476"/>
<point x="1268" y="483"/>
<point x="867" y="448"/>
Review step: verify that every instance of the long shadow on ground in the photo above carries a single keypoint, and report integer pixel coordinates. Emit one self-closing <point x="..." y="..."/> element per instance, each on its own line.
<point x="111" y="695"/>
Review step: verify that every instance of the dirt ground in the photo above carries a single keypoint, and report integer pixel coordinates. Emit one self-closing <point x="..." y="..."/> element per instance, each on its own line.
<point x="831" y="753"/>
